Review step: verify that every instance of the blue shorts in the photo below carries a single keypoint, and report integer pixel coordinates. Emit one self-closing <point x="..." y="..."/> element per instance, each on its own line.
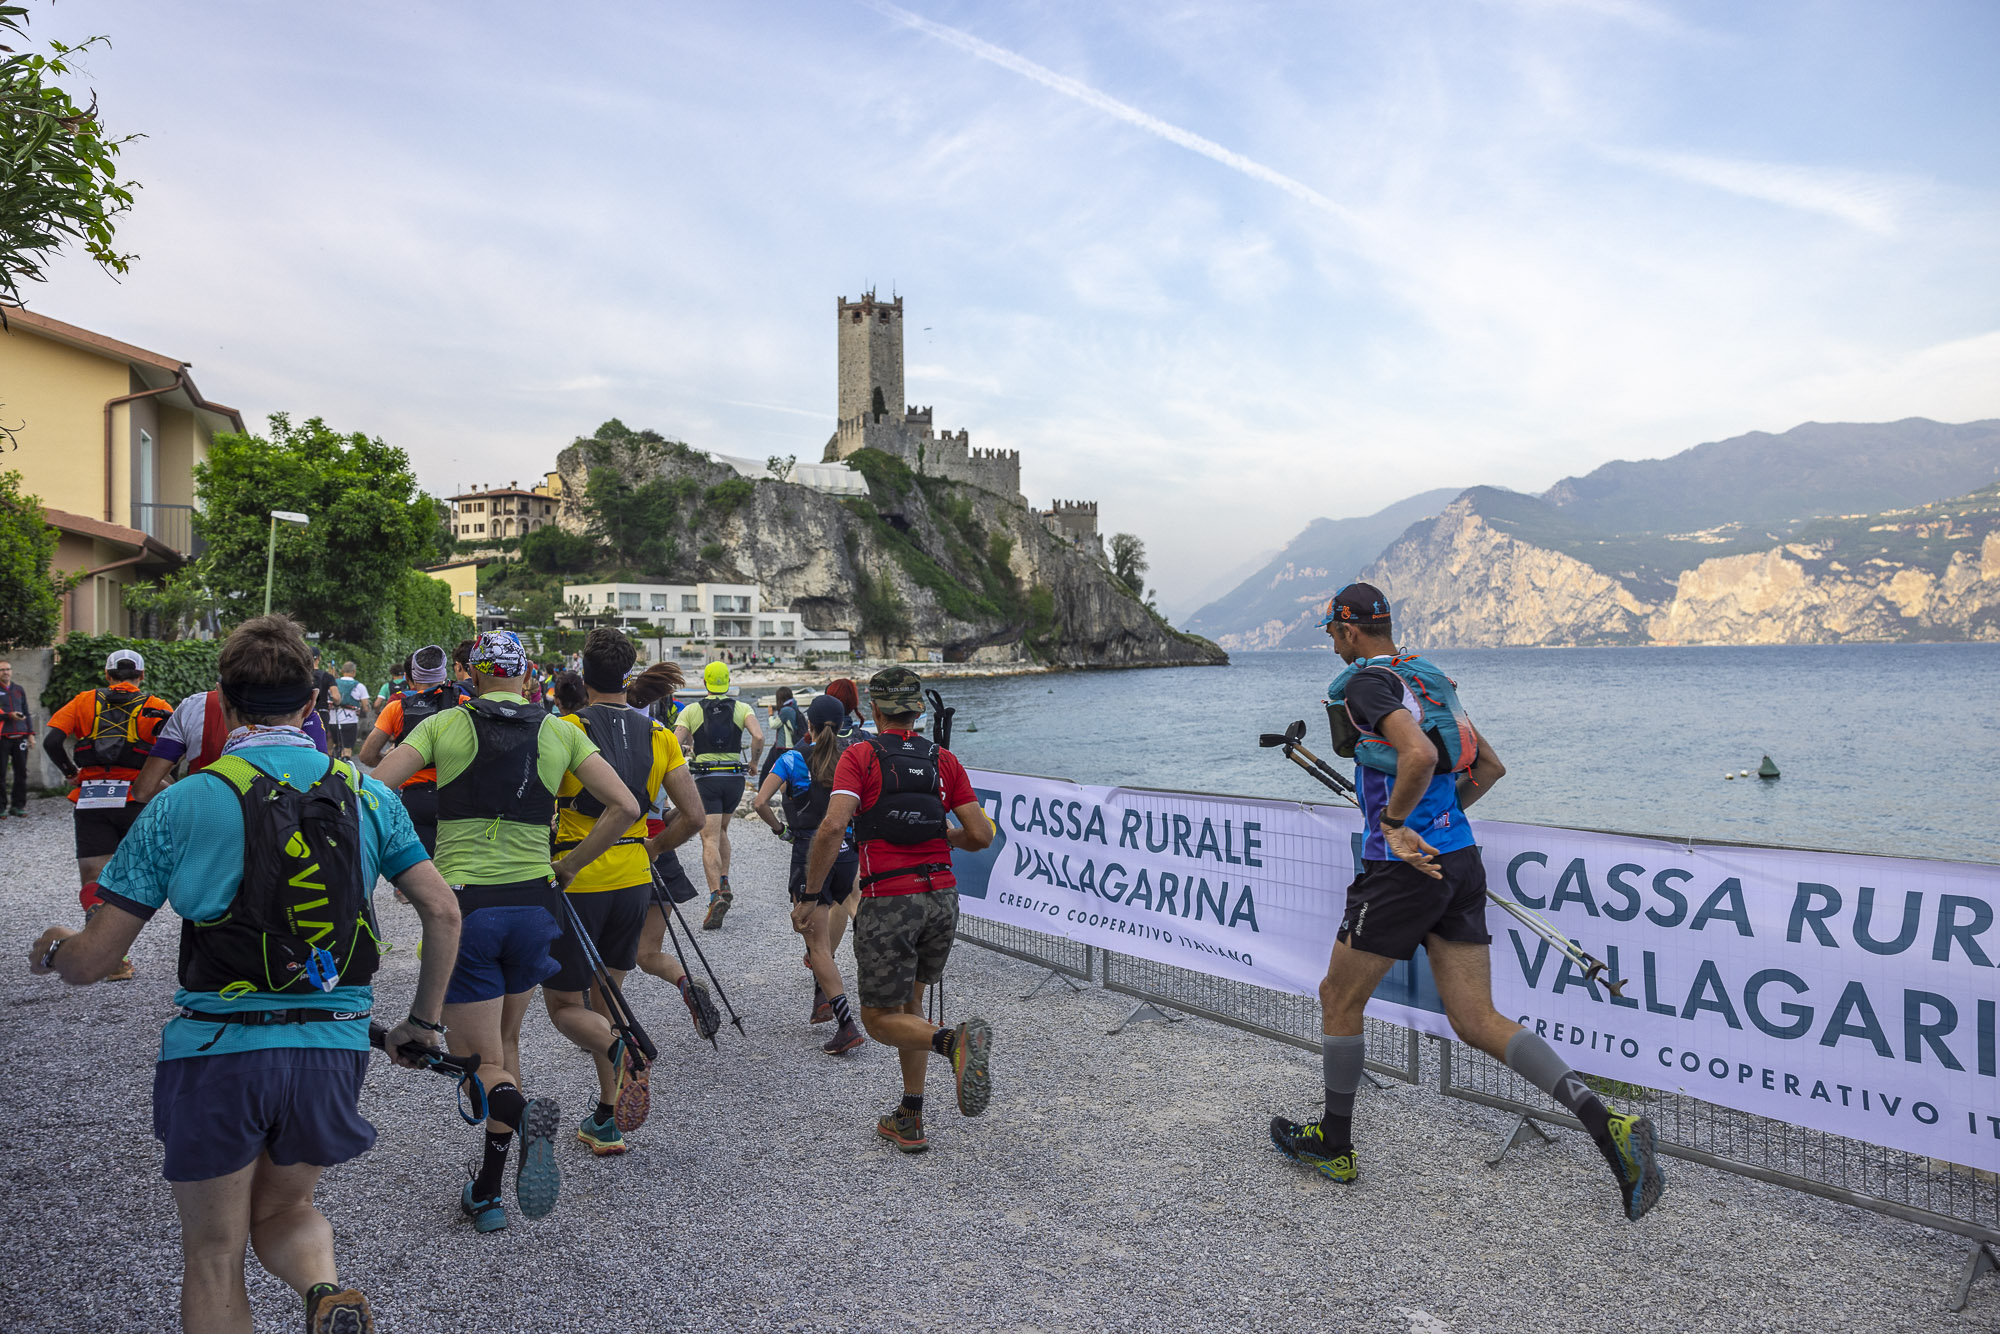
<point x="217" y="1114"/>
<point x="504" y="951"/>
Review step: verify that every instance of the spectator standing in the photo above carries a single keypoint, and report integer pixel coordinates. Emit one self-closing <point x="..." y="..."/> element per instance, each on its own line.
<point x="17" y="738"/>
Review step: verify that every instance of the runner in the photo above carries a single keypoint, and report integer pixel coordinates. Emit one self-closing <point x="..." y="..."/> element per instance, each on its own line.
<point x="645" y="692"/>
<point x="806" y="779"/>
<point x="788" y="730"/>
<point x="193" y="738"/>
<point x="897" y="788"/>
<point x="255" y="1094"/>
<point x="399" y="679"/>
<point x="17" y="739"/>
<point x="462" y="673"/>
<point x="350" y="707"/>
<point x="499" y="762"/>
<point x="568" y="689"/>
<point x="114" y="727"/>
<point x="323" y="695"/>
<point x="1418" y="763"/>
<point x="712" y="732"/>
<point x="613" y="894"/>
<point x="401" y="715"/>
<point x="843" y="689"/>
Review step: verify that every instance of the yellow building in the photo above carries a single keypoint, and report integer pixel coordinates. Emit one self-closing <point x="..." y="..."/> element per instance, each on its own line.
<point x="483" y="513"/>
<point x="108" y="436"/>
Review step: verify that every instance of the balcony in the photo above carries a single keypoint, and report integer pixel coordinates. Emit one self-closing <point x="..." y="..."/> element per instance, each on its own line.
<point x="172" y="525"/>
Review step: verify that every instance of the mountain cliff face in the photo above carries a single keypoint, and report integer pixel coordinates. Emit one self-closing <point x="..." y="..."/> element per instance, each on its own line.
<point x="1930" y="573"/>
<point x="924" y="564"/>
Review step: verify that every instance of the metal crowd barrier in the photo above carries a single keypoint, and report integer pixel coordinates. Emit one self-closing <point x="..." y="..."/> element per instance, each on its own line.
<point x="1064" y="958"/>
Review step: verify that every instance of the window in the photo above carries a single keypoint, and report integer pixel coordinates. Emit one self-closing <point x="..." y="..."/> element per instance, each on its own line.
<point x="766" y="629"/>
<point x="690" y="602"/>
<point x="786" y="629"/>
<point x="659" y="602"/>
<point x="666" y="624"/>
<point x="697" y="626"/>
<point x="610" y="598"/>
<point x="628" y="601"/>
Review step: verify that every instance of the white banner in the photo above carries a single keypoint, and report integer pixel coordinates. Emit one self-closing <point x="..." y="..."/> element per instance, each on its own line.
<point x="1852" y="994"/>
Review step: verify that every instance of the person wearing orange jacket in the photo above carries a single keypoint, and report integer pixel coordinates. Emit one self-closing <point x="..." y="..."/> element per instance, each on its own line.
<point x="114" y="727"/>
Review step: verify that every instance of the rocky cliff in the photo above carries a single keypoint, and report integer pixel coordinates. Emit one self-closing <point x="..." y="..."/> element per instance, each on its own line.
<point x="923" y="564"/>
<point x="1464" y="579"/>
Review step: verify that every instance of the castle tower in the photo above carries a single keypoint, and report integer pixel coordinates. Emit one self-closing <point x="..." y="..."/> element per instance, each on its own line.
<point x="871" y="360"/>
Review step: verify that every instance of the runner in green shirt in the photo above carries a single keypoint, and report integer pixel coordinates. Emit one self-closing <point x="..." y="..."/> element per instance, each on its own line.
<point x="499" y="760"/>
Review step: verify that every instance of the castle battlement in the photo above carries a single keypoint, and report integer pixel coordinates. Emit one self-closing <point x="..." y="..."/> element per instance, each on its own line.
<point x="1073" y="507"/>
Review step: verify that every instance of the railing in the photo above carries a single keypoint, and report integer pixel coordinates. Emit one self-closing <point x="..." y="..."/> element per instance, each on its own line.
<point x="172" y="525"/>
<point x="1055" y="953"/>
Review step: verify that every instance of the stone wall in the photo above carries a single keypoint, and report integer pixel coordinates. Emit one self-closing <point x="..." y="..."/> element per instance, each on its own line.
<point x="871" y="356"/>
<point x="32" y="669"/>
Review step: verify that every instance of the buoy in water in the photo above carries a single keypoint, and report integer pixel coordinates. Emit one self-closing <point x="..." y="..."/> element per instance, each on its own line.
<point x="1767" y="770"/>
<point x="1730" y="777"/>
<point x="1744" y="774"/>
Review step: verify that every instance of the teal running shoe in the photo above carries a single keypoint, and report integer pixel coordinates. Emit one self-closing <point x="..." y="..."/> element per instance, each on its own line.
<point x="538" y="1181"/>
<point x="1632" y="1149"/>
<point x="487" y="1215"/>
<point x="602" y="1138"/>
<point x="1304" y="1143"/>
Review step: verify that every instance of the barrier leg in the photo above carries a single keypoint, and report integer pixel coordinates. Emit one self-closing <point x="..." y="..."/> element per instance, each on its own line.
<point x="1523" y="1128"/>
<point x="1145" y="1012"/>
<point x="1981" y="1261"/>
<point x="1054" y="976"/>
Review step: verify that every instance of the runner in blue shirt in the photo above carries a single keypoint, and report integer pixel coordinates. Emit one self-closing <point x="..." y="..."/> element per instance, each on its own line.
<point x="258" y="1081"/>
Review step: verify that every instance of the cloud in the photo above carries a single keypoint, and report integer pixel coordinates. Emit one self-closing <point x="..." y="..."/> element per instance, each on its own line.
<point x="1131" y="115"/>
<point x="1873" y="203"/>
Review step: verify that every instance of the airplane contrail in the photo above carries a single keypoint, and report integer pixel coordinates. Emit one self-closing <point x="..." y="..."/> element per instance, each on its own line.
<point x="1104" y="102"/>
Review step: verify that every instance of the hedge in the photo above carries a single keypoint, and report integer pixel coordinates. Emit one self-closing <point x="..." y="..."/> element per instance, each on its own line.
<point x="175" y="669"/>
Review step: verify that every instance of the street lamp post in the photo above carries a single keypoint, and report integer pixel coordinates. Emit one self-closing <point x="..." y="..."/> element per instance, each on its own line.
<point x="271" y="551"/>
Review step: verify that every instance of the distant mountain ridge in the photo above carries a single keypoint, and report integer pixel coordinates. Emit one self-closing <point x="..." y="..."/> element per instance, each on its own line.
<point x="1606" y="554"/>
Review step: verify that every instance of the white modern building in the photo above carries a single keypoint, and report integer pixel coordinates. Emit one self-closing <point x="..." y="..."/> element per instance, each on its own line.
<point x="730" y="616"/>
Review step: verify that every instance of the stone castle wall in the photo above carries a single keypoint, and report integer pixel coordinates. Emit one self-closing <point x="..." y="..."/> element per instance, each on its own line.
<point x="871" y="356"/>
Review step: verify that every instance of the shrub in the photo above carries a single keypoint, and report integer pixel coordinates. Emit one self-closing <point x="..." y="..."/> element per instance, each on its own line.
<point x="726" y="497"/>
<point x="889" y="478"/>
<point x="712" y="552"/>
<point x="175" y="669"/>
<point x="554" y="550"/>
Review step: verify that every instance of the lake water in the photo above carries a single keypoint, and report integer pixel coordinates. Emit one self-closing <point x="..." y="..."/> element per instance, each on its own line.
<point x="1889" y="748"/>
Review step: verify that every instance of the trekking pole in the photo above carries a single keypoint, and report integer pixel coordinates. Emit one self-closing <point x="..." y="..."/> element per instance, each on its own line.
<point x="672" y="912"/>
<point x="940" y="720"/>
<point x="666" y="919"/>
<point x="465" y="1067"/>
<point x="1593" y="967"/>
<point x="615" y="1007"/>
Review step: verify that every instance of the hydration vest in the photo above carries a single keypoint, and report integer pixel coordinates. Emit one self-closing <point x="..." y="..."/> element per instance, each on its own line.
<point x="504" y="780"/>
<point x="719" y="734"/>
<point x="791" y="726"/>
<point x="114" y="740"/>
<point x="910" y="808"/>
<point x="1431" y="697"/>
<point x="214" y="732"/>
<point x="625" y="738"/>
<point x="804" y="813"/>
<point x="421" y="704"/>
<point x="301" y="920"/>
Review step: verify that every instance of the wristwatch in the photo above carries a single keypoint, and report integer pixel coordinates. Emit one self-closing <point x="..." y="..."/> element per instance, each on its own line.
<point x="1391" y="822"/>
<point x="49" y="959"/>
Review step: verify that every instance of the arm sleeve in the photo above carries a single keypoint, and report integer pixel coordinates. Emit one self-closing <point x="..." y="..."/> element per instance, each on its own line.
<point x="952" y="778"/>
<point x="1374" y="694"/>
<point x="52" y="744"/>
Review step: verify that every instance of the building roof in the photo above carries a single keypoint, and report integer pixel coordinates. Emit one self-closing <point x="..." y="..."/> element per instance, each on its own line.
<point x="458" y="564"/>
<point x="502" y="491"/>
<point x="152" y="367"/>
<point x="115" y="533"/>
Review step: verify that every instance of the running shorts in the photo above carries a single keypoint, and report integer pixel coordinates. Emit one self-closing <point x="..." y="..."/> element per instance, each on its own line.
<point x="99" y="832"/>
<point x="343" y="735"/>
<point x="901" y="940"/>
<point x="720" y="793"/>
<point x="218" y="1114"/>
<point x="675" y="877"/>
<point x="1392" y="906"/>
<point x="613" y="918"/>
<point x="506" y="940"/>
<point x="839" y="881"/>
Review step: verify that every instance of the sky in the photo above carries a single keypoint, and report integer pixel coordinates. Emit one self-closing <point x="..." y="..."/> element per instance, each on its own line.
<point x="1223" y="267"/>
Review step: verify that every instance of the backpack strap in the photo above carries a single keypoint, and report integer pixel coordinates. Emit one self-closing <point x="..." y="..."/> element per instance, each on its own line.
<point x="236" y="771"/>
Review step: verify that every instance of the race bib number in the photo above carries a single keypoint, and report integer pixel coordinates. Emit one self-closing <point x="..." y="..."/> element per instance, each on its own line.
<point x="102" y="794"/>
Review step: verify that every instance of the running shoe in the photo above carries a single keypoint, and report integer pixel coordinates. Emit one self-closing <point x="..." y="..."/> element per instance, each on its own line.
<point x="601" y="1137"/>
<point x="332" y="1309"/>
<point x="487" y="1215"/>
<point x="1306" y="1144"/>
<point x="124" y="972"/>
<point x="718" y="905"/>
<point x="635" y="1086"/>
<point x="969" y="1047"/>
<point x="1633" y="1152"/>
<point x="904" y="1129"/>
<point x="843" y="1041"/>
<point x="538" y="1181"/>
<point x="707" y="1019"/>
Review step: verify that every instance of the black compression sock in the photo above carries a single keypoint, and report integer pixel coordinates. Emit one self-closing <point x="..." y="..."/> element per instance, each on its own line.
<point x="840" y="1010"/>
<point x="492" y="1165"/>
<point x="941" y="1041"/>
<point x="913" y="1102"/>
<point x="603" y="1113"/>
<point x="1337" y="1131"/>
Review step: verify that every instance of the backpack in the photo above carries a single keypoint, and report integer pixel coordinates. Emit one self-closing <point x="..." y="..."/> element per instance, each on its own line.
<point x="118" y="739"/>
<point x="910" y="808"/>
<point x="1434" y="702"/>
<point x="625" y="738"/>
<point x="805" y="813"/>
<point x="421" y="704"/>
<point x="504" y="780"/>
<point x="301" y="920"/>
<point x="719" y="734"/>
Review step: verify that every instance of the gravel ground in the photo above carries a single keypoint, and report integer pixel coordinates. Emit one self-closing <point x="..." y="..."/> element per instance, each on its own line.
<point x="1116" y="1183"/>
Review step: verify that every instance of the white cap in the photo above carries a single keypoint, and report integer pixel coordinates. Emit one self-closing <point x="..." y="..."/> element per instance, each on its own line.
<point x="122" y="657"/>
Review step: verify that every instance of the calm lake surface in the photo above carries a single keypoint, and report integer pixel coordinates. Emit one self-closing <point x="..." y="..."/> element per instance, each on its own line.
<point x="1889" y="748"/>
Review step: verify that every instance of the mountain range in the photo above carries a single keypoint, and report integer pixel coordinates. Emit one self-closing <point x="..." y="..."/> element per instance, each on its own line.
<point x="1824" y="533"/>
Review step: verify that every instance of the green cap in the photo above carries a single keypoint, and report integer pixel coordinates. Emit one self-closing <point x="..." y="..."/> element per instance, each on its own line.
<point x="896" y="690"/>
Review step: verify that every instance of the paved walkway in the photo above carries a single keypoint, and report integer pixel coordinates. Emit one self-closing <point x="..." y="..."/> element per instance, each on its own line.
<point x="1117" y="1182"/>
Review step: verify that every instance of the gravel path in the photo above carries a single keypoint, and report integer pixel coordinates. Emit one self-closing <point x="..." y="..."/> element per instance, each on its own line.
<point x="1117" y="1182"/>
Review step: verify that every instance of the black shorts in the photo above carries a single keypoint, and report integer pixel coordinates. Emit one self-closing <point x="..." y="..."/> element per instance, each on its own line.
<point x="839" y="881"/>
<point x="675" y="877"/>
<point x="420" y="801"/>
<point x="720" y="793"/>
<point x="99" y="832"/>
<point x="613" y="918"/>
<point x="1392" y="906"/>
<point x="343" y="735"/>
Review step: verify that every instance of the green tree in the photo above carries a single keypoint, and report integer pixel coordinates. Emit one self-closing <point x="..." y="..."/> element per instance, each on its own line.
<point x="343" y="574"/>
<point x="58" y="169"/>
<point x="553" y="550"/>
<point x="636" y="522"/>
<point x="30" y="596"/>
<point x="1128" y="561"/>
